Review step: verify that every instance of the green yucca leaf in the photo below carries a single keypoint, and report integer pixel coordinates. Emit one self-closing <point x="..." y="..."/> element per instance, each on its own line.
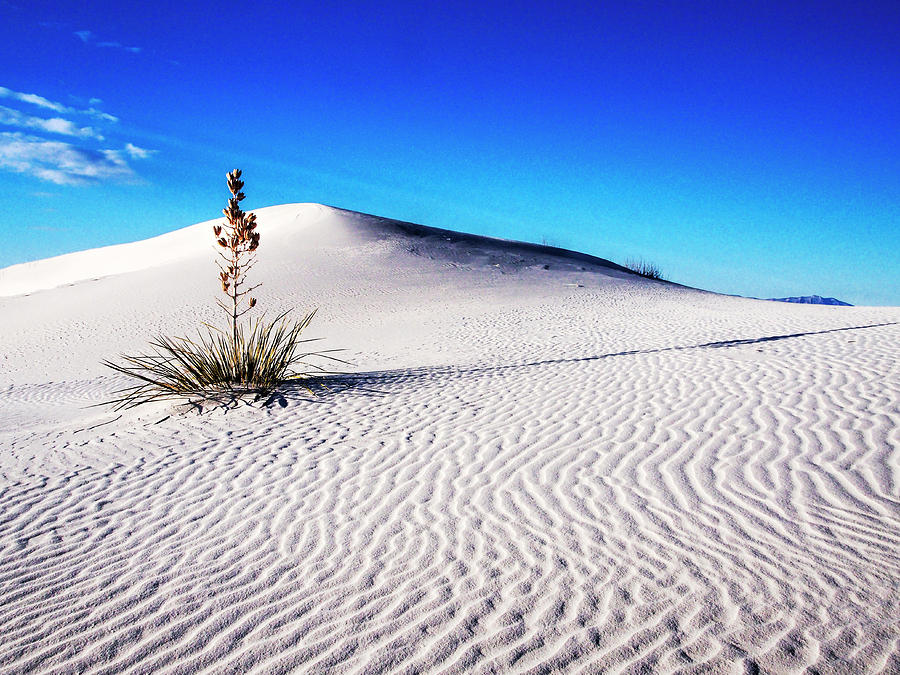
<point x="253" y="360"/>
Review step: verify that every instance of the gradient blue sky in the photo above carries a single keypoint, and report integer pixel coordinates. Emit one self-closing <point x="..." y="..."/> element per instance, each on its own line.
<point x="748" y="148"/>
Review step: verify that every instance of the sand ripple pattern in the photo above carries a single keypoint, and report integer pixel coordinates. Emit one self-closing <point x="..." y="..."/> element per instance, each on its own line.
<point x="712" y="508"/>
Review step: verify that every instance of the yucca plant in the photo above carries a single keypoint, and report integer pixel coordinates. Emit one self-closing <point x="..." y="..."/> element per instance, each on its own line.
<point x="221" y="365"/>
<point x="225" y="364"/>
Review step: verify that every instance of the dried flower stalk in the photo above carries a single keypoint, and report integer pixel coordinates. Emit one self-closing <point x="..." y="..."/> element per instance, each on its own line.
<point x="239" y="239"/>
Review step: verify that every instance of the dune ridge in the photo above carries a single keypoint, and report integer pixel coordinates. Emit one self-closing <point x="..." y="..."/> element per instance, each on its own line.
<point x="539" y="462"/>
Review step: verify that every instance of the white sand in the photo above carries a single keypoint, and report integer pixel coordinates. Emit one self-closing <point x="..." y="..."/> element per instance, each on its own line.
<point x="529" y="469"/>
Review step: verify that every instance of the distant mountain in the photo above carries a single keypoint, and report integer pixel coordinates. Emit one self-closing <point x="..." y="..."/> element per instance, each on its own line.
<point x="813" y="300"/>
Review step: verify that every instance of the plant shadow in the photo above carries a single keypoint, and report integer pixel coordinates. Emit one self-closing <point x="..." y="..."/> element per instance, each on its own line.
<point x="379" y="383"/>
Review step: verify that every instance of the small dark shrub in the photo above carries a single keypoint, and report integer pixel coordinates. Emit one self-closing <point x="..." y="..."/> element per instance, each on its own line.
<point x="645" y="269"/>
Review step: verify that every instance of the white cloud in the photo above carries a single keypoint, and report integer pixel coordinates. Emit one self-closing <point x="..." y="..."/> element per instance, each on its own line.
<point x="55" y="161"/>
<point x="34" y="99"/>
<point x="88" y="37"/>
<point x="119" y="45"/>
<point x="59" y="162"/>
<point x="54" y="125"/>
<point x="42" y="102"/>
<point x="100" y="115"/>
<point x="58" y="125"/>
<point x="138" y="153"/>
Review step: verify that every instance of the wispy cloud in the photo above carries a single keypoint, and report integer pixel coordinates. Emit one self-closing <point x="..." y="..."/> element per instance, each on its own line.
<point x="89" y="38"/>
<point x="100" y="115"/>
<point x="47" y="104"/>
<point x="119" y="45"/>
<point x="53" y="125"/>
<point x="75" y="162"/>
<point x="59" y="162"/>
<point x="34" y="99"/>
<point x="138" y="153"/>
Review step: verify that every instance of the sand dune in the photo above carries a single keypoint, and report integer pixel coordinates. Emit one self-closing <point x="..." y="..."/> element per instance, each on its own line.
<point x="538" y="462"/>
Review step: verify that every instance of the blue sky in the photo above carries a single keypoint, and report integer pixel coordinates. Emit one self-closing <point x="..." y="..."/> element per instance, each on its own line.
<point x="748" y="148"/>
